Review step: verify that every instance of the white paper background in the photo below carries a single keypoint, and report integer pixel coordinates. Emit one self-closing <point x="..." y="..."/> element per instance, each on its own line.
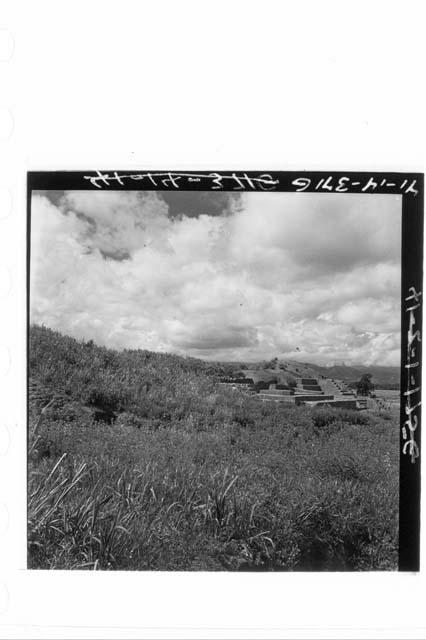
<point x="261" y="85"/>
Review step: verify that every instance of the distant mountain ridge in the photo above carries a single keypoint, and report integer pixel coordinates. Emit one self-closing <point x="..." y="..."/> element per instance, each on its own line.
<point x="381" y="375"/>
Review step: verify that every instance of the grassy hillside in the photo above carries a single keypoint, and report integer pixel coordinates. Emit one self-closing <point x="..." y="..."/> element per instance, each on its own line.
<point x="139" y="460"/>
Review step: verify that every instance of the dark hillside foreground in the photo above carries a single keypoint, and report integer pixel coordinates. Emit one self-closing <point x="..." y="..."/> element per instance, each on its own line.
<point x="142" y="461"/>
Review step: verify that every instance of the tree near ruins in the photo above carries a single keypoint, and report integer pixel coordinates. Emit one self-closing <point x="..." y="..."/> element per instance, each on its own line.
<point x="291" y="381"/>
<point x="364" y="386"/>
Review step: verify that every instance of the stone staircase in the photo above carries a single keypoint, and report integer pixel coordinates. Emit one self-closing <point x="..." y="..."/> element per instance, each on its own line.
<point x="277" y="395"/>
<point x="311" y="392"/>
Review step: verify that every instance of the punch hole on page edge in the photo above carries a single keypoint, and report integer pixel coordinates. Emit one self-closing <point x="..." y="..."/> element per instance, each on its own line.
<point x="6" y="123"/>
<point x="5" y="203"/>
<point x="4" y="519"/>
<point x="4" y="598"/>
<point x="5" y="281"/>
<point x="5" y="360"/>
<point x="7" y="45"/>
<point x="4" y="439"/>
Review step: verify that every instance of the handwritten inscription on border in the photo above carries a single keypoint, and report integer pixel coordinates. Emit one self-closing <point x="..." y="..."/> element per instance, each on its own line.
<point x="173" y="180"/>
<point x="241" y="181"/>
<point x="412" y="392"/>
<point x="343" y="184"/>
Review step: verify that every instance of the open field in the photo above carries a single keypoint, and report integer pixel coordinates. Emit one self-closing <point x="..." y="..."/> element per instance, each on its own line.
<point x="141" y="461"/>
<point x="387" y="400"/>
<point x="389" y="395"/>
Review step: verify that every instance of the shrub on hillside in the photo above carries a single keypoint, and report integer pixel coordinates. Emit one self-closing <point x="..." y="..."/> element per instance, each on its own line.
<point x="261" y="385"/>
<point x="106" y="401"/>
<point x="291" y="381"/>
<point x="326" y="416"/>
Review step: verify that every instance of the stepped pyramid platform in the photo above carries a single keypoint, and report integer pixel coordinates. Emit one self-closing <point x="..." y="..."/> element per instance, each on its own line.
<point x="311" y="392"/>
<point x="318" y="397"/>
<point x="269" y="397"/>
<point x="278" y="392"/>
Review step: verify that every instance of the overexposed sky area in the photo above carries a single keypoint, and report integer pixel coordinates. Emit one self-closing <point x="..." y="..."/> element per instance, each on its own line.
<point x="310" y="277"/>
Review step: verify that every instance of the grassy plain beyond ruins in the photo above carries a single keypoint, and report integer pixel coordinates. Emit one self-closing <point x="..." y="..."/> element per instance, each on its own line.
<point x="144" y="461"/>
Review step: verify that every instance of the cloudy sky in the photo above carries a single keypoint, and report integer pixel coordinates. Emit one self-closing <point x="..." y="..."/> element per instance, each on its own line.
<point x="310" y="277"/>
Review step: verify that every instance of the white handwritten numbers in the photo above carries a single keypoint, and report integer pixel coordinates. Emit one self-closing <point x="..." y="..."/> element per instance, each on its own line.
<point x="344" y="184"/>
<point x="412" y="391"/>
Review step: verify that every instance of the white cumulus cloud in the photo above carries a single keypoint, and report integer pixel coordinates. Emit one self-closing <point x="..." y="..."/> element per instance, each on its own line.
<point x="314" y="277"/>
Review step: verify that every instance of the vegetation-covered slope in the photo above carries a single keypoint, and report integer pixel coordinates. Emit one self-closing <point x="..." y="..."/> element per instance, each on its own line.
<point x="140" y="460"/>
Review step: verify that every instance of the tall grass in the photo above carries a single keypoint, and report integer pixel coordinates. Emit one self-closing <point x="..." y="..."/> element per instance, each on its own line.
<point x="217" y="481"/>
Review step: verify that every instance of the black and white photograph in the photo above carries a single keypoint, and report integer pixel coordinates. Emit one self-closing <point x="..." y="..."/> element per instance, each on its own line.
<point x="211" y="329"/>
<point x="214" y="376"/>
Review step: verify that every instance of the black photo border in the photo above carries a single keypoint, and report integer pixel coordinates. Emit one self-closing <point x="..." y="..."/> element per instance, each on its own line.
<point x="409" y="185"/>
